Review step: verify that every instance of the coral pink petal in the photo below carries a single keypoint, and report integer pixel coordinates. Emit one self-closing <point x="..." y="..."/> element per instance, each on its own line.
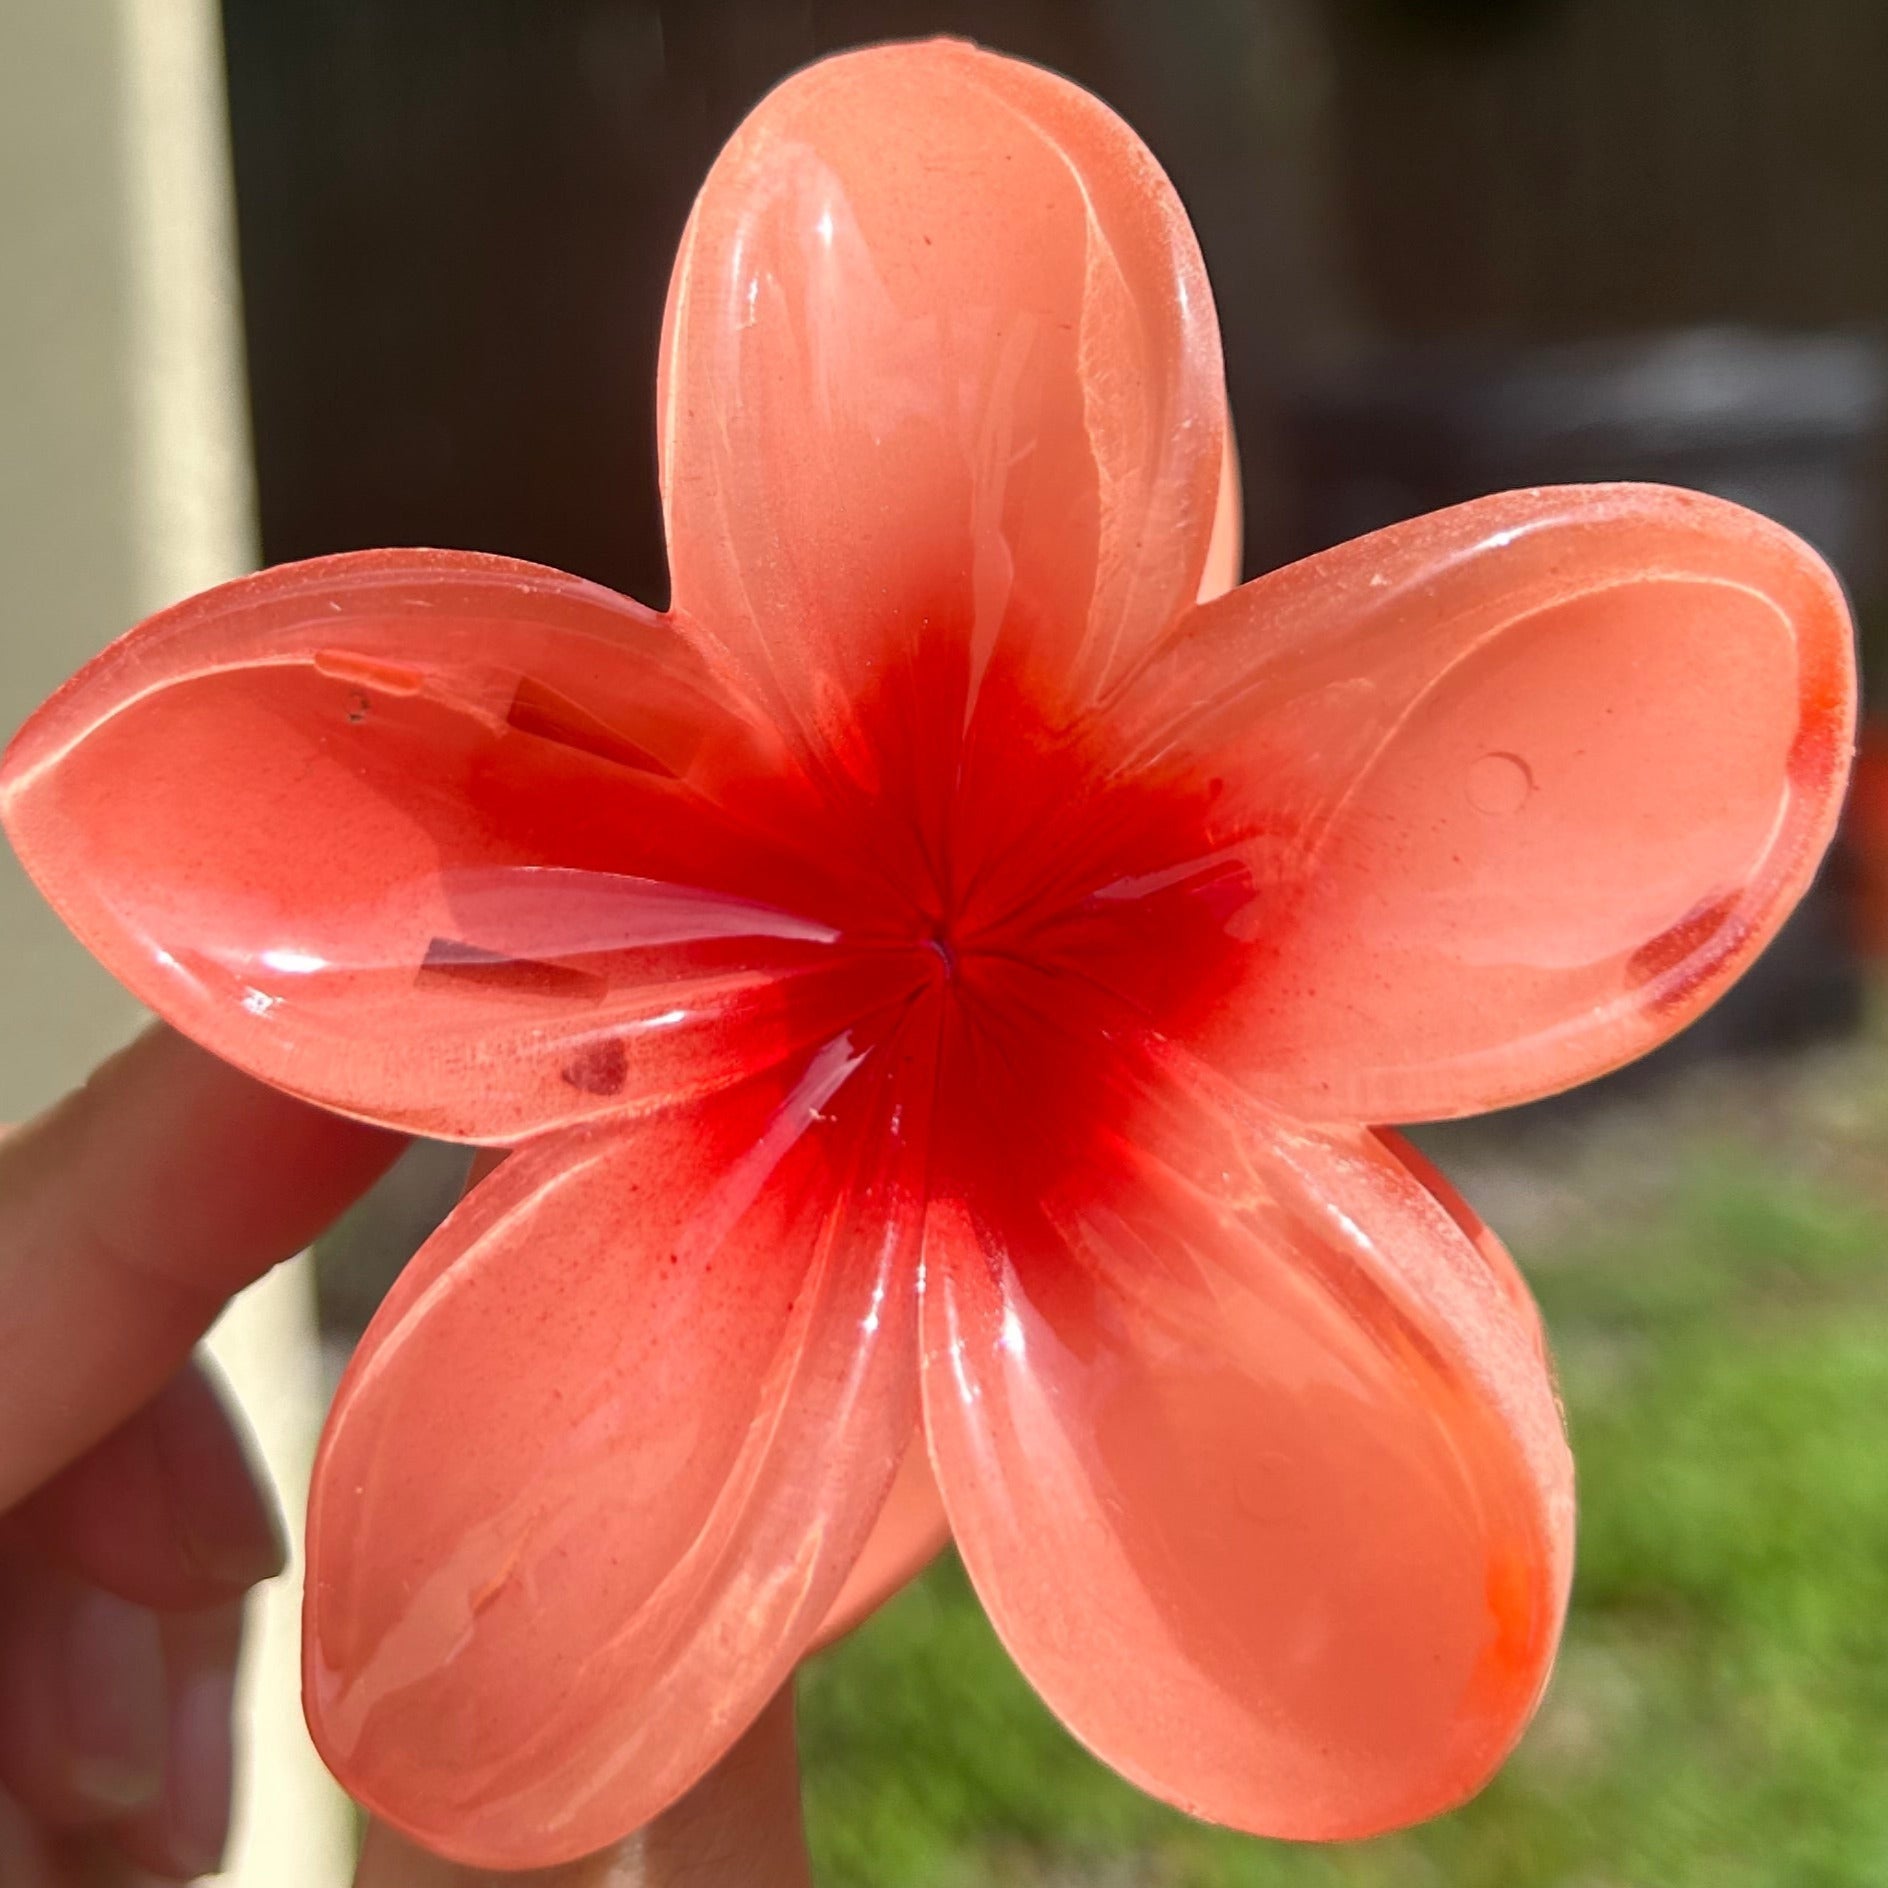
<point x="1253" y="1454"/>
<point x="607" y="1455"/>
<point x="1515" y="790"/>
<point x="909" y="1534"/>
<point x="940" y="363"/>
<point x="433" y="839"/>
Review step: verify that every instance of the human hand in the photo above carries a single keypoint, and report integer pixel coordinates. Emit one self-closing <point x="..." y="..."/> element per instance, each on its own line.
<point x="131" y="1523"/>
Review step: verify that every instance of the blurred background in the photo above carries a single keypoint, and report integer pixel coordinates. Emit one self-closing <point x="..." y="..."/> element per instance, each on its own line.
<point x="297" y="276"/>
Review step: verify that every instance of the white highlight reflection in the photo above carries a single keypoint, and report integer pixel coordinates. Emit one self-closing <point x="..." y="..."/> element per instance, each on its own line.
<point x="294" y="963"/>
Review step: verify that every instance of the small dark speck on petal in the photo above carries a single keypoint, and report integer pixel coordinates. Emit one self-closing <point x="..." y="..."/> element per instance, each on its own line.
<point x="599" y="1068"/>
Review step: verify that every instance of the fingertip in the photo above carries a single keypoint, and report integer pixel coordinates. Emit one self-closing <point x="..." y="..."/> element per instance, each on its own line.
<point x="115" y="1703"/>
<point x="129" y="1214"/>
<point x="389" y="1860"/>
<point x="229" y="1524"/>
<point x="185" y="1832"/>
<point x="199" y="1784"/>
<point x="170" y="1510"/>
<point x="81" y="1699"/>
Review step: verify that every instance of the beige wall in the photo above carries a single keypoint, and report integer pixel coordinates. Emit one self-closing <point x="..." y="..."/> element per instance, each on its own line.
<point x="69" y="559"/>
<point x="124" y="484"/>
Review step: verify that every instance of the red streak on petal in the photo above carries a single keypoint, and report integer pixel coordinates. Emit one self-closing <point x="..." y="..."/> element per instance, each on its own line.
<point x="1818" y="751"/>
<point x="1514" y="1648"/>
<point x="1690" y="952"/>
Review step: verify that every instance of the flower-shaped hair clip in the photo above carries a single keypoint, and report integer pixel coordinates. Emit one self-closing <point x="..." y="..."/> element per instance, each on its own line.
<point x="935" y="980"/>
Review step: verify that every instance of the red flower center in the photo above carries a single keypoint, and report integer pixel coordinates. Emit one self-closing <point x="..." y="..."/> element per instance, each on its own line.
<point x="1051" y="899"/>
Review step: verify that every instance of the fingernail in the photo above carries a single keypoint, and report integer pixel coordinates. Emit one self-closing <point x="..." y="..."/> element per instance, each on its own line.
<point x="115" y="1703"/>
<point x="202" y="1767"/>
<point x="253" y="1549"/>
<point x="227" y="1520"/>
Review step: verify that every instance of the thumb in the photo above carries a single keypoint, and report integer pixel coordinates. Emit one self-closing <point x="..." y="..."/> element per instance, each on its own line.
<point x="739" y="1827"/>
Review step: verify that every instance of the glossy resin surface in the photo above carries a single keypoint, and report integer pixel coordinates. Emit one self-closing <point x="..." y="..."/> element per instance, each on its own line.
<point x="936" y="980"/>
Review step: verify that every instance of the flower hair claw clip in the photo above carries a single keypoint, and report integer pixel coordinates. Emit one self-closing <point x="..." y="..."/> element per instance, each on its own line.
<point x="939" y="982"/>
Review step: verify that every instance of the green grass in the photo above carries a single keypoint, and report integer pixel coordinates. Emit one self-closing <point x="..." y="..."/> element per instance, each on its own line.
<point x="1720" y="1714"/>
